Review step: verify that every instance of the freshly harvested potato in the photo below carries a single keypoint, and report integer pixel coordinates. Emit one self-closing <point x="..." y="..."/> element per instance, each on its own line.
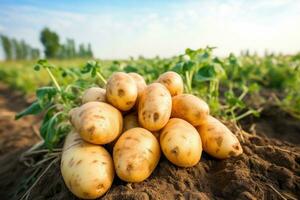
<point x="136" y="155"/>
<point x="154" y="107"/>
<point x="218" y="140"/>
<point x="140" y="82"/>
<point x="87" y="169"/>
<point x="172" y="81"/>
<point x="130" y="121"/>
<point x="190" y="108"/>
<point x="97" y="122"/>
<point x="94" y="94"/>
<point x="121" y="91"/>
<point x="181" y="143"/>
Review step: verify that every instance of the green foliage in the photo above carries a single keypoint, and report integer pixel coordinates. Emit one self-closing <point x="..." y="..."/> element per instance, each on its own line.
<point x="7" y="47"/>
<point x="50" y="41"/>
<point x="231" y="85"/>
<point x="18" y="50"/>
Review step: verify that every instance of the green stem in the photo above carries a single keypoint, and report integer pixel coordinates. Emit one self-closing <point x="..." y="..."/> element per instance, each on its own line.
<point x="101" y="77"/>
<point x="188" y="81"/>
<point x="249" y="112"/>
<point x="53" y="79"/>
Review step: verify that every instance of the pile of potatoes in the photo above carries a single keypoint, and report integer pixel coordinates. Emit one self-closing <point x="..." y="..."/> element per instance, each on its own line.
<point x="136" y="122"/>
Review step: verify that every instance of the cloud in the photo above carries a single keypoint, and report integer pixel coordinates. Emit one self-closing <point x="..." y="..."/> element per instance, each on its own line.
<point x="230" y="25"/>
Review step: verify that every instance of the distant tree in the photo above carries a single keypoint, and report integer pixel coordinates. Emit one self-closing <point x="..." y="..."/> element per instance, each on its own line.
<point x="25" y="49"/>
<point x="7" y="47"/>
<point x="50" y="41"/>
<point x="82" y="51"/>
<point x="35" y="53"/>
<point x="89" y="51"/>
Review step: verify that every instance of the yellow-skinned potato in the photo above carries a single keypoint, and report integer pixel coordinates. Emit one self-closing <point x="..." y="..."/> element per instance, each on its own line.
<point x="130" y="121"/>
<point x="140" y="82"/>
<point x="121" y="91"/>
<point x="154" y="107"/>
<point x="136" y="155"/>
<point x="181" y="143"/>
<point x="87" y="169"/>
<point x="172" y="81"/>
<point x="97" y="122"/>
<point x="218" y="140"/>
<point x="94" y="94"/>
<point x="190" y="108"/>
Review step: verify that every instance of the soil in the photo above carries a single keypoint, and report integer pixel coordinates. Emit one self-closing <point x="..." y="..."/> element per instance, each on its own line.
<point x="269" y="168"/>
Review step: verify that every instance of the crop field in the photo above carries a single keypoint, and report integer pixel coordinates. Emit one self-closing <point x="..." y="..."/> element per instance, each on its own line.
<point x="250" y="102"/>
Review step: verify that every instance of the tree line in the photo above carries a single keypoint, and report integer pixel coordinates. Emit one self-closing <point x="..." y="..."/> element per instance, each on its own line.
<point x="19" y="50"/>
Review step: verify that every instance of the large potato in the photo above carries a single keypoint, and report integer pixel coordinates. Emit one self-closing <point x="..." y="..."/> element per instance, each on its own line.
<point x="87" y="169"/>
<point x="181" y="143"/>
<point x="154" y="107"/>
<point x="130" y="121"/>
<point x="172" y="81"/>
<point x="94" y="94"/>
<point x="136" y="155"/>
<point x="97" y="122"/>
<point x="190" y="108"/>
<point x="121" y="91"/>
<point x="218" y="140"/>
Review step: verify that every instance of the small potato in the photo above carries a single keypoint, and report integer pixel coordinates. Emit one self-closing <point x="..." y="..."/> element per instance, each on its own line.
<point x="94" y="94"/>
<point x="181" y="143"/>
<point x="154" y="107"/>
<point x="172" y="81"/>
<point x="190" y="108"/>
<point x="97" y="122"/>
<point x="140" y="82"/>
<point x="136" y="155"/>
<point x="121" y="91"/>
<point x="218" y="140"/>
<point x="130" y="121"/>
<point x="87" y="169"/>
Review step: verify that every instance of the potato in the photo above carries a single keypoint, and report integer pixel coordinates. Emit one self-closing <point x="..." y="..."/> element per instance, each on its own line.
<point x="136" y="155"/>
<point x="94" y="94"/>
<point x="121" y="91"/>
<point x="154" y="107"/>
<point x="218" y="140"/>
<point x="140" y="82"/>
<point x="130" y="121"/>
<point x="190" y="108"/>
<point x="180" y="142"/>
<point x="172" y="81"/>
<point x="87" y="169"/>
<point x="97" y="122"/>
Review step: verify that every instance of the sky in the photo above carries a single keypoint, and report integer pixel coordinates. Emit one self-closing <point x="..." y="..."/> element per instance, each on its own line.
<point x="123" y="28"/>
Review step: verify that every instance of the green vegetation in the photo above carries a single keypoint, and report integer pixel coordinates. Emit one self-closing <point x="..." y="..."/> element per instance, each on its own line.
<point x="234" y="86"/>
<point x="19" y="50"/>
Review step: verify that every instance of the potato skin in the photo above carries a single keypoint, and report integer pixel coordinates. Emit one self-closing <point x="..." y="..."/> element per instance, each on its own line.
<point x="94" y="94"/>
<point x="97" y="122"/>
<point x="172" y="81"/>
<point x="121" y="91"/>
<point x="218" y="140"/>
<point x="87" y="169"/>
<point x="130" y="121"/>
<point x="180" y="142"/>
<point x="190" y="108"/>
<point x="154" y="107"/>
<point x="136" y="155"/>
<point x="140" y="82"/>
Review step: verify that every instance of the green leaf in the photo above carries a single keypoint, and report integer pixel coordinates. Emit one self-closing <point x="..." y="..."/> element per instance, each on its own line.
<point x="33" y="109"/>
<point x="50" y="136"/>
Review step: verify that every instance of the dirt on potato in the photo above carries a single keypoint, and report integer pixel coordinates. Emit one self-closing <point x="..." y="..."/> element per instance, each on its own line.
<point x="269" y="168"/>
